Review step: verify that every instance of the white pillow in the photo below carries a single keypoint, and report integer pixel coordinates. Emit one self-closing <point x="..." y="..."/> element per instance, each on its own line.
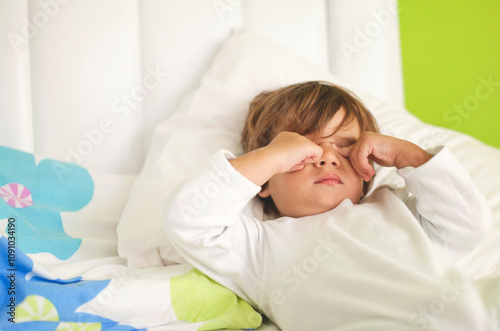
<point x="212" y="118"/>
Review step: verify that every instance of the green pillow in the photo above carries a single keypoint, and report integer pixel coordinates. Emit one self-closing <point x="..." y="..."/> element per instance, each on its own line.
<point x="196" y="298"/>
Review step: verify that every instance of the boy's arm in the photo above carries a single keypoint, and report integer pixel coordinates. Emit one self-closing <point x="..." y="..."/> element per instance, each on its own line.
<point x="444" y="198"/>
<point x="384" y="150"/>
<point x="257" y="166"/>
<point x="205" y="222"/>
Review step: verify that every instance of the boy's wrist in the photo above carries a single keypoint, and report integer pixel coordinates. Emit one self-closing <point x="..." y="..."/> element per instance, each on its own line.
<point x="258" y="166"/>
<point x="273" y="159"/>
<point x="413" y="158"/>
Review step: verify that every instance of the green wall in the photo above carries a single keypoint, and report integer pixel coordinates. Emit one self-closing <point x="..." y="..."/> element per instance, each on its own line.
<point x="451" y="64"/>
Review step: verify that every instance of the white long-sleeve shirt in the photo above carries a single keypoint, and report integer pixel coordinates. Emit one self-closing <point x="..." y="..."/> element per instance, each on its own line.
<point x="376" y="265"/>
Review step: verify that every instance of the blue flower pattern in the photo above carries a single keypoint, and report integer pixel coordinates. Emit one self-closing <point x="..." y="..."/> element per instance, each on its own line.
<point x="34" y="195"/>
<point x="55" y="187"/>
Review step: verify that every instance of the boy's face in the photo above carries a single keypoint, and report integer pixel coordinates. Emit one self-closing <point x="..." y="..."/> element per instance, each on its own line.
<point x="321" y="186"/>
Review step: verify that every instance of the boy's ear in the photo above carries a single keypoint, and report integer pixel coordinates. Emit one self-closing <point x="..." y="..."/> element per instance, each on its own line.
<point x="264" y="192"/>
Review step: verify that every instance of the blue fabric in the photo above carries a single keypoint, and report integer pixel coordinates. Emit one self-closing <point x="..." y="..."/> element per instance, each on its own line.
<point x="19" y="281"/>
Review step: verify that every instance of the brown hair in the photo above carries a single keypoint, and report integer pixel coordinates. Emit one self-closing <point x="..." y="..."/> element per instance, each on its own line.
<point x="304" y="108"/>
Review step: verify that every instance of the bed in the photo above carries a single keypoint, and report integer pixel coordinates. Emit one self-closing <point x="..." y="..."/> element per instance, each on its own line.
<point x="108" y="105"/>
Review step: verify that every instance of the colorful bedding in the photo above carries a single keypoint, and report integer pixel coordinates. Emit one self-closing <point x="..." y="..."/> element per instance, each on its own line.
<point x="59" y="265"/>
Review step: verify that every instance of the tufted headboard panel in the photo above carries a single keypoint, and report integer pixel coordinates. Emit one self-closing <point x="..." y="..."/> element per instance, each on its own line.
<point x="87" y="81"/>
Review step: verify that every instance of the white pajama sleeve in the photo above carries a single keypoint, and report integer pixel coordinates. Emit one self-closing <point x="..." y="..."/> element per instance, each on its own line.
<point x="446" y="202"/>
<point x="206" y="225"/>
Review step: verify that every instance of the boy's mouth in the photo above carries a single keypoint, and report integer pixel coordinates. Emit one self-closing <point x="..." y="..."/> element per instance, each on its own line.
<point x="329" y="179"/>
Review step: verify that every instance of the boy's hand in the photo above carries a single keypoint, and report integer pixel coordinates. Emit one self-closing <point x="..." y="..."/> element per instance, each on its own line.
<point x="293" y="151"/>
<point x="288" y="151"/>
<point x="385" y="151"/>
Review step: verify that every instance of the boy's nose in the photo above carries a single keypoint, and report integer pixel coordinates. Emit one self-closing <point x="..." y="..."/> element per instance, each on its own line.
<point x="330" y="156"/>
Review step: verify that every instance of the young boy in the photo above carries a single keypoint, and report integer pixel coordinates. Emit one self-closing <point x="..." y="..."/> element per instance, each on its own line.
<point x="326" y="261"/>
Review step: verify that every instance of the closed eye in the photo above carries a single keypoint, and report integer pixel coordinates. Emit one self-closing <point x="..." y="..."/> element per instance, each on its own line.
<point x="338" y="146"/>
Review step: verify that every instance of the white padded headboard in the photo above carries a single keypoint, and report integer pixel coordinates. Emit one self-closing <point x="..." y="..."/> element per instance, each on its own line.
<point x="87" y="81"/>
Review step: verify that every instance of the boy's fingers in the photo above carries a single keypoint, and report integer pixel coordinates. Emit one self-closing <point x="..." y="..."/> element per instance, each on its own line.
<point x="296" y="167"/>
<point x="315" y="154"/>
<point x="311" y="159"/>
<point x="345" y="151"/>
<point x="368" y="174"/>
<point x="360" y="162"/>
<point x="364" y="172"/>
